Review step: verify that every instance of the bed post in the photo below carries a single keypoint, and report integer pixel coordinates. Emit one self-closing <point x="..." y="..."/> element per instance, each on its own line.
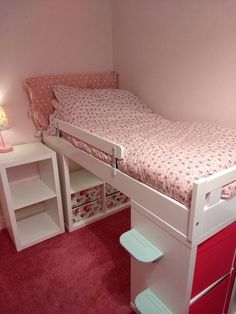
<point x="197" y="210"/>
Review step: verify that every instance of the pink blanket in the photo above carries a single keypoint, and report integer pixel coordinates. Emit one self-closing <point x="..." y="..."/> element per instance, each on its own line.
<point x="168" y="156"/>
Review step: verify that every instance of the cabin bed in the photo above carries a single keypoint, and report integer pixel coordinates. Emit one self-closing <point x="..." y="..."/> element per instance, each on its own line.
<point x="177" y="240"/>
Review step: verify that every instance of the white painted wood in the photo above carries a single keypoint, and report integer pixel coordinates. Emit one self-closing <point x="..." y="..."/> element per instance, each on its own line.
<point x="46" y="173"/>
<point x="6" y="203"/>
<point x="63" y="165"/>
<point x="30" y="192"/>
<point x="213" y="197"/>
<point x="141" y="193"/>
<point x="82" y="180"/>
<point x="36" y="228"/>
<point x="176" y="230"/>
<point x="24" y="153"/>
<point x="187" y="223"/>
<point x="75" y="181"/>
<point x="56" y="210"/>
<point x="196" y="212"/>
<point x="31" y="224"/>
<point x="217" y="217"/>
<point x="90" y="138"/>
<point x="220" y="179"/>
<point x="156" y="220"/>
<point x="170" y="278"/>
<point x="29" y="211"/>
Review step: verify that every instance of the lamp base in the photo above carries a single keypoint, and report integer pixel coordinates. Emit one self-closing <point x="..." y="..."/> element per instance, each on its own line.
<point x="5" y="148"/>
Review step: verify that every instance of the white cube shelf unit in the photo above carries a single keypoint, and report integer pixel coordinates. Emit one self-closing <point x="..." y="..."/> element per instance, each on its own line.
<point x="30" y="194"/>
<point x="93" y="201"/>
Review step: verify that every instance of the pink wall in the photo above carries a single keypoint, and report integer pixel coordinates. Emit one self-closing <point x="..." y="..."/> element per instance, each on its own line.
<point x="47" y="37"/>
<point x="179" y="56"/>
<point x="43" y="37"/>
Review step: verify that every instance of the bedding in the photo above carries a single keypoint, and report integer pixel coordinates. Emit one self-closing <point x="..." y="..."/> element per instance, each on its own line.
<point x="41" y="95"/>
<point x="166" y="155"/>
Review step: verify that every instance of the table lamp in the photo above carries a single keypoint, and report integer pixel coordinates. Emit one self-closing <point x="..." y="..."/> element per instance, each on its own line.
<point x="4" y="148"/>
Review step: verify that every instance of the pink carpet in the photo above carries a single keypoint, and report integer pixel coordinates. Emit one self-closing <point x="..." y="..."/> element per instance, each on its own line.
<point x="85" y="272"/>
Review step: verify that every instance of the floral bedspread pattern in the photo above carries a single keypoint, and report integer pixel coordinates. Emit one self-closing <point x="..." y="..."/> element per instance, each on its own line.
<point x="168" y="156"/>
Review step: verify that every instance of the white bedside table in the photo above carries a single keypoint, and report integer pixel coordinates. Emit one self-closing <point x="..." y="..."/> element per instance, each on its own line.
<point x="31" y="199"/>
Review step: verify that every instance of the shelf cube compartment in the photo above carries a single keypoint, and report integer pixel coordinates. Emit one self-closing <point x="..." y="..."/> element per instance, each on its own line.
<point x="36" y="187"/>
<point x="37" y="223"/>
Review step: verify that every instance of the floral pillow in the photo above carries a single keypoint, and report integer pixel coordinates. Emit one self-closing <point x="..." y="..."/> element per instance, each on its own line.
<point x="76" y="105"/>
<point x="115" y="100"/>
<point x="40" y="92"/>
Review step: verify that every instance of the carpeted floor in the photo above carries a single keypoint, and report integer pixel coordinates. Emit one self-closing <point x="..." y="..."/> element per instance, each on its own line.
<point x="83" y="272"/>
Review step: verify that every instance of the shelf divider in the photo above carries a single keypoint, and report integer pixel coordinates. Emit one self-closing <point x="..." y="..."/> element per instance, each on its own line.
<point x="148" y="303"/>
<point x="139" y="247"/>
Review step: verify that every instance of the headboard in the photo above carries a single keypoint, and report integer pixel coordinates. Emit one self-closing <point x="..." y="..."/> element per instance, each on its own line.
<point x="39" y="90"/>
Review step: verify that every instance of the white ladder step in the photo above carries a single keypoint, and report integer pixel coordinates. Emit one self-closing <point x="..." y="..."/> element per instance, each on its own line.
<point x="139" y="247"/>
<point x="148" y="303"/>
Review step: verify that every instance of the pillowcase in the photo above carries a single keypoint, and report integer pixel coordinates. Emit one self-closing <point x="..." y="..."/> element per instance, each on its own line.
<point x="115" y="100"/>
<point x="39" y="90"/>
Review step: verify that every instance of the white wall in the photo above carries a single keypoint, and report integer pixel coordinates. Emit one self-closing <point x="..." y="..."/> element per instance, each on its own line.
<point x="179" y="56"/>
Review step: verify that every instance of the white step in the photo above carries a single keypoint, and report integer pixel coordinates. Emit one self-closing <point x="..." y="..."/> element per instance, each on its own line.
<point x="148" y="303"/>
<point x="139" y="247"/>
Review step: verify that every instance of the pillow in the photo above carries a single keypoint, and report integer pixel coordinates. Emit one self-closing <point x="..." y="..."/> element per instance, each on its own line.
<point x="39" y="90"/>
<point x="115" y="100"/>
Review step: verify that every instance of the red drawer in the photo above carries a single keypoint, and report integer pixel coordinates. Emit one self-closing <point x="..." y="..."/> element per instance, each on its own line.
<point x="212" y="302"/>
<point x="214" y="258"/>
<point x="230" y="290"/>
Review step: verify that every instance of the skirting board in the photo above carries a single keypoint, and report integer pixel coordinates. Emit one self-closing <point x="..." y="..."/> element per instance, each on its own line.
<point x="2" y="223"/>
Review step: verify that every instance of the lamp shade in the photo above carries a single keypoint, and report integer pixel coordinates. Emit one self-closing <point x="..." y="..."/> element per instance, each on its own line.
<point x="3" y="120"/>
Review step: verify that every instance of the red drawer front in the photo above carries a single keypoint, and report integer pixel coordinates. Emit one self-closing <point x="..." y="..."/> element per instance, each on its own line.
<point x="214" y="258"/>
<point x="230" y="290"/>
<point x="212" y="302"/>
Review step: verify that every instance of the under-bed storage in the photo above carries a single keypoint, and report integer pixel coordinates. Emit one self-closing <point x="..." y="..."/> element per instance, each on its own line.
<point x="206" y="269"/>
<point x="86" y="198"/>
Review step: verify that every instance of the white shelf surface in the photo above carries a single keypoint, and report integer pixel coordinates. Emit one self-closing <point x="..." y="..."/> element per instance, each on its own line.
<point x="148" y="303"/>
<point x="82" y="179"/>
<point x="30" y="192"/>
<point x="36" y="228"/>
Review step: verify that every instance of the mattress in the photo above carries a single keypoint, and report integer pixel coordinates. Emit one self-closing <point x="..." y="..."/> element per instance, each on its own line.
<point x="166" y="155"/>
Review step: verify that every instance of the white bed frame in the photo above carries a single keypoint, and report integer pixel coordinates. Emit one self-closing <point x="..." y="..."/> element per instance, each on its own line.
<point x="208" y="214"/>
<point x="163" y="221"/>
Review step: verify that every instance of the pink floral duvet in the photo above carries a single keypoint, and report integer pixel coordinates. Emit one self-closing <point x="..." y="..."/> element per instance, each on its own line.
<point x="166" y="155"/>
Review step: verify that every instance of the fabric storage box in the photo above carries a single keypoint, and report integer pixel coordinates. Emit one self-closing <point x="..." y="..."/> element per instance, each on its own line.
<point x="86" y="210"/>
<point x="109" y="189"/>
<point x="85" y="196"/>
<point x="116" y="199"/>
